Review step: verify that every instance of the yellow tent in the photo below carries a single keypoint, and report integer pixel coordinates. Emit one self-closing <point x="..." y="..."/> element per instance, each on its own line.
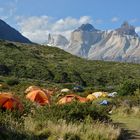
<point x="91" y="97"/>
<point x="100" y="94"/>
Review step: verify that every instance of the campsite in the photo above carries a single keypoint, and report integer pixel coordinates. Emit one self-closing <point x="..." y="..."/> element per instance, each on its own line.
<point x="64" y="97"/>
<point x="39" y="112"/>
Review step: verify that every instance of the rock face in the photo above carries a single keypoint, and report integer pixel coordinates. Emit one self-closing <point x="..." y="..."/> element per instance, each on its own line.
<point x="116" y="47"/>
<point x="122" y="44"/>
<point x="82" y="39"/>
<point x="10" y="34"/>
<point x="127" y="29"/>
<point x="57" y="40"/>
<point x="86" y="28"/>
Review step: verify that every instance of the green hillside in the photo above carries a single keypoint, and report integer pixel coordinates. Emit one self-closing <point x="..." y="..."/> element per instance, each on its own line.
<point x="22" y="65"/>
<point x="54" y="65"/>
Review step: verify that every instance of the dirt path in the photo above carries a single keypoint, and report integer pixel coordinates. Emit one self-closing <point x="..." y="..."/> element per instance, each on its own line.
<point x="130" y="127"/>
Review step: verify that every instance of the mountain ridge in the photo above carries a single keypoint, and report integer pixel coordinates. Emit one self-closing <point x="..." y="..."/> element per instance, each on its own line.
<point x="121" y="44"/>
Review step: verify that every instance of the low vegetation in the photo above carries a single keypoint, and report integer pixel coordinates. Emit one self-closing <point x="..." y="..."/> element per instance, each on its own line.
<point x="54" y="65"/>
<point x="27" y="127"/>
<point x="23" y="65"/>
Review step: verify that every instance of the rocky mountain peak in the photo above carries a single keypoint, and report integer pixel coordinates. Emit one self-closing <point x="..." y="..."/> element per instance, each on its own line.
<point x="127" y="29"/>
<point x="87" y="28"/>
<point x="125" y="24"/>
<point x="57" y="40"/>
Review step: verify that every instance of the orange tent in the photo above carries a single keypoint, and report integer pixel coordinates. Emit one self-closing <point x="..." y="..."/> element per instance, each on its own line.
<point x="31" y="88"/>
<point x="39" y="96"/>
<point x="10" y="102"/>
<point x="71" y="97"/>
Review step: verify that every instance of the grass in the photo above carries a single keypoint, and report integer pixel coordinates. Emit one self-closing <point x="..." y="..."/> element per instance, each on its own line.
<point x="128" y="118"/>
<point x="46" y="129"/>
<point x="130" y="122"/>
<point x="85" y="131"/>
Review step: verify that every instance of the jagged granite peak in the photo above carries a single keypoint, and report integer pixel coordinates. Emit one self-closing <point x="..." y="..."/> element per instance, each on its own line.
<point x="127" y="29"/>
<point x="122" y="44"/>
<point x="10" y="34"/>
<point x="57" y="40"/>
<point x="82" y="39"/>
<point x="86" y="28"/>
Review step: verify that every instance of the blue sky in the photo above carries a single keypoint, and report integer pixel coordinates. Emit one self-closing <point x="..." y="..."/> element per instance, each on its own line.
<point x="35" y="18"/>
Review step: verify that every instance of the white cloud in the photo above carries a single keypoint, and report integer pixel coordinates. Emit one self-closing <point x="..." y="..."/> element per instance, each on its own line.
<point x="8" y="10"/>
<point x="37" y="28"/>
<point x="115" y="19"/>
<point x="138" y="30"/>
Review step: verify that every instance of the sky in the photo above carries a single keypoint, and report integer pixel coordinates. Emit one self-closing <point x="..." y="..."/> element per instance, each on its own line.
<point x="35" y="19"/>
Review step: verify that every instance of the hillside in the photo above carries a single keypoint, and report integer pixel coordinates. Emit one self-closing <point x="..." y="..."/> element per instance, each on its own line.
<point x="54" y="65"/>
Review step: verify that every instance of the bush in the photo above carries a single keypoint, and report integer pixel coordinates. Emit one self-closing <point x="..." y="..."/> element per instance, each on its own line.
<point x="128" y="88"/>
<point x="4" y="70"/>
<point x="73" y="112"/>
<point x="12" y="81"/>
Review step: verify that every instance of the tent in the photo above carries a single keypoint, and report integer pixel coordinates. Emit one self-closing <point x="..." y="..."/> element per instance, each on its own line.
<point x="10" y="102"/>
<point x="113" y="94"/>
<point x="31" y="88"/>
<point x="39" y="96"/>
<point x="104" y="102"/>
<point x="91" y="97"/>
<point x="100" y="94"/>
<point x="65" y="90"/>
<point x="71" y="97"/>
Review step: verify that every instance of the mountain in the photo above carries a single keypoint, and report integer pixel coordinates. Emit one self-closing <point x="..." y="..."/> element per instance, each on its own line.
<point x="57" y="40"/>
<point x="121" y="44"/>
<point x="86" y="27"/>
<point x="51" y="64"/>
<point x="82" y="39"/>
<point x="127" y="29"/>
<point x="10" y="34"/>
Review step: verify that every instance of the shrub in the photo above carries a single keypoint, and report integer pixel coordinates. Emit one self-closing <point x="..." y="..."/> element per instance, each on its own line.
<point x="73" y="112"/>
<point x="128" y="88"/>
<point x="4" y="70"/>
<point x="12" y="81"/>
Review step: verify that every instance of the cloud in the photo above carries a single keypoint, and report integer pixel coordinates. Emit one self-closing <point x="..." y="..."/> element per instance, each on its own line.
<point x="134" y="20"/>
<point x="137" y="30"/>
<point x="8" y="10"/>
<point x="37" y="28"/>
<point x="115" y="19"/>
